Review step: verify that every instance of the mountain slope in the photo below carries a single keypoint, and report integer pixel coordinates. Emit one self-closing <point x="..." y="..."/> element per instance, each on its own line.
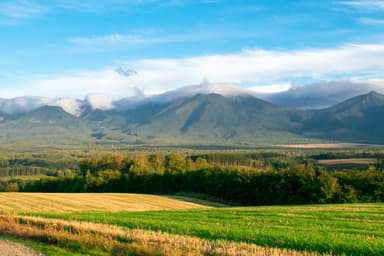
<point x="360" y="119"/>
<point x="205" y="119"/>
<point x="45" y="125"/>
<point x="214" y="118"/>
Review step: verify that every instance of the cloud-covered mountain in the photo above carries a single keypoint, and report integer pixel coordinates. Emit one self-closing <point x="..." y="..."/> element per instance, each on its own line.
<point x="322" y="94"/>
<point x="311" y="96"/>
<point x="74" y="107"/>
<point x="209" y="119"/>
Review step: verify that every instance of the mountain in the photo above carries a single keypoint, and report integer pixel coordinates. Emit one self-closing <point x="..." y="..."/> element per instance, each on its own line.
<point x="359" y="119"/>
<point x="45" y="125"/>
<point x="215" y="118"/>
<point x="204" y="119"/>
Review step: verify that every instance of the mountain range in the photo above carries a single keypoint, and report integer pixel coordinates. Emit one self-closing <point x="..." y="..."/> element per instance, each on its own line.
<point x="189" y="116"/>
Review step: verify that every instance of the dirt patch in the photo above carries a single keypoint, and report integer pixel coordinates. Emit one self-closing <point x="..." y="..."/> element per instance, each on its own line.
<point x="8" y="248"/>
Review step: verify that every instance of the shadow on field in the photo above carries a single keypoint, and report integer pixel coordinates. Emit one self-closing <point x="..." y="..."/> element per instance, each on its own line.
<point x="197" y="200"/>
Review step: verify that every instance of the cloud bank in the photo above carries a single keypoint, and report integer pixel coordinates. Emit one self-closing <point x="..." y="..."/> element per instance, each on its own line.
<point x="323" y="94"/>
<point x="253" y="68"/>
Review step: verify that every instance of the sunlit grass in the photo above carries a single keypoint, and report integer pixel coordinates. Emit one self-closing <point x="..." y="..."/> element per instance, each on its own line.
<point x="76" y="202"/>
<point x="337" y="229"/>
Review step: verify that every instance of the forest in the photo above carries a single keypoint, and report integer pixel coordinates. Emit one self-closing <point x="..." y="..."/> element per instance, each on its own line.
<point x="237" y="178"/>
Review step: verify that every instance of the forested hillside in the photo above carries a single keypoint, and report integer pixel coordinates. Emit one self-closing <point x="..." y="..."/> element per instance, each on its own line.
<point x="203" y="119"/>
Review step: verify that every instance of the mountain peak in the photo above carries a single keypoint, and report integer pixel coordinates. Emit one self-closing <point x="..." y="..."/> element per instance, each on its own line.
<point x="373" y="97"/>
<point x="374" y="94"/>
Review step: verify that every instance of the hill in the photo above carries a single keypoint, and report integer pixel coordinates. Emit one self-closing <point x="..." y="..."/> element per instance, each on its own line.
<point x="45" y="125"/>
<point x="215" y="118"/>
<point x="359" y="119"/>
<point x="203" y="119"/>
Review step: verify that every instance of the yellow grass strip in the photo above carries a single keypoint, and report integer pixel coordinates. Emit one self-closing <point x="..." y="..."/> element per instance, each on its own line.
<point x="108" y="238"/>
<point x="77" y="202"/>
<point x="322" y="145"/>
<point x="348" y="161"/>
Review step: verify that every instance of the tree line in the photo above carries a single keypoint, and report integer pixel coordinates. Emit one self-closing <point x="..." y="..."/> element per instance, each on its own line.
<point x="297" y="183"/>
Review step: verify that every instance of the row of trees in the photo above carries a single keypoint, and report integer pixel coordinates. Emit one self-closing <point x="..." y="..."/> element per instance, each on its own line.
<point x="169" y="174"/>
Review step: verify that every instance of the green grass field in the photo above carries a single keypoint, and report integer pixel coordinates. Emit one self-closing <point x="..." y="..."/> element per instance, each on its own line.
<point x="337" y="229"/>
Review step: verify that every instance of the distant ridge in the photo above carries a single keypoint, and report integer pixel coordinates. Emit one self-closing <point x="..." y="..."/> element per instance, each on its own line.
<point x="209" y="119"/>
<point x="359" y="119"/>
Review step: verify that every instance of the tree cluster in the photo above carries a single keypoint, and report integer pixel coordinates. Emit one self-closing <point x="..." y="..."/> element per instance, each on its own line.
<point x="298" y="183"/>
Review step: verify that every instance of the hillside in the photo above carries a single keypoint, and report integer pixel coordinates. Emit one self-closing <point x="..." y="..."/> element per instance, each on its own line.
<point x="215" y="118"/>
<point x="206" y="119"/>
<point x="360" y="119"/>
<point x="45" y="125"/>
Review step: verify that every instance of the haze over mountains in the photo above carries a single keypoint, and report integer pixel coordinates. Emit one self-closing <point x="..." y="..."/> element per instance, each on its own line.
<point x="312" y="96"/>
<point x="201" y="114"/>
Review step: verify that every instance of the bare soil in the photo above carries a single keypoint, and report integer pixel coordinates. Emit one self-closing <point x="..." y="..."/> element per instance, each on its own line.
<point x="8" y="248"/>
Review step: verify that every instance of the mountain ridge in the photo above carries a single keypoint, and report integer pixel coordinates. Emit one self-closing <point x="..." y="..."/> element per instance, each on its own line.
<point x="203" y="118"/>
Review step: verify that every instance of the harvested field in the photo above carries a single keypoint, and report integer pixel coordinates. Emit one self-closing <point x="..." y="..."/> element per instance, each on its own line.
<point x="61" y="202"/>
<point x="347" y="161"/>
<point x="326" y="145"/>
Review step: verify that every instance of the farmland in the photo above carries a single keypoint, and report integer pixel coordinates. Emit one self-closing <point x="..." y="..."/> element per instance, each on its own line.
<point x="336" y="229"/>
<point x="60" y="202"/>
<point x="348" y="161"/>
<point x="351" y="229"/>
<point x="205" y="203"/>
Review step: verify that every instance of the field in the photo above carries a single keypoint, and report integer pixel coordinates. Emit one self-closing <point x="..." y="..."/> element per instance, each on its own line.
<point x="343" y="161"/>
<point x="77" y="202"/>
<point x="348" y="163"/>
<point x="349" y="229"/>
<point x="325" y="145"/>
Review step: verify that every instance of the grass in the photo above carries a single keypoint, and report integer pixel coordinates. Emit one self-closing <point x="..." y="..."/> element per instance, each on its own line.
<point x="77" y="202"/>
<point x="336" y="229"/>
<point x="349" y="229"/>
<point x="100" y="239"/>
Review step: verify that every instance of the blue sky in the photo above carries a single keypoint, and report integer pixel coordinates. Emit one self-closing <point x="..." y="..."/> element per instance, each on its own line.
<point x="72" y="48"/>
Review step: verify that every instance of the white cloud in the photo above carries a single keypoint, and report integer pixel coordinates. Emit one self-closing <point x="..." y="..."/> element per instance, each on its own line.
<point x="69" y="105"/>
<point x="138" y="39"/>
<point x="324" y="93"/>
<point x="371" y="4"/>
<point x="76" y="85"/>
<point x="21" y="9"/>
<point x="272" y="88"/>
<point x="25" y="104"/>
<point x="249" y="68"/>
<point x="100" y="102"/>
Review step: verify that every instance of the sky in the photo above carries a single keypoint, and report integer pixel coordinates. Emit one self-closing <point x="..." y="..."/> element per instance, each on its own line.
<point x="118" y="48"/>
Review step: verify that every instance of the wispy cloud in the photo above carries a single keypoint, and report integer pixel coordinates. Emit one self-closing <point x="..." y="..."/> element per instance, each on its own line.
<point x="21" y="9"/>
<point x="249" y="68"/>
<point x="371" y="21"/>
<point x="370" y="4"/>
<point x="116" y="40"/>
<point x="142" y="39"/>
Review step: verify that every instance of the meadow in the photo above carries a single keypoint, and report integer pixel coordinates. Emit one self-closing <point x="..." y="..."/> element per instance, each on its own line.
<point x="191" y="229"/>
<point x="352" y="229"/>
